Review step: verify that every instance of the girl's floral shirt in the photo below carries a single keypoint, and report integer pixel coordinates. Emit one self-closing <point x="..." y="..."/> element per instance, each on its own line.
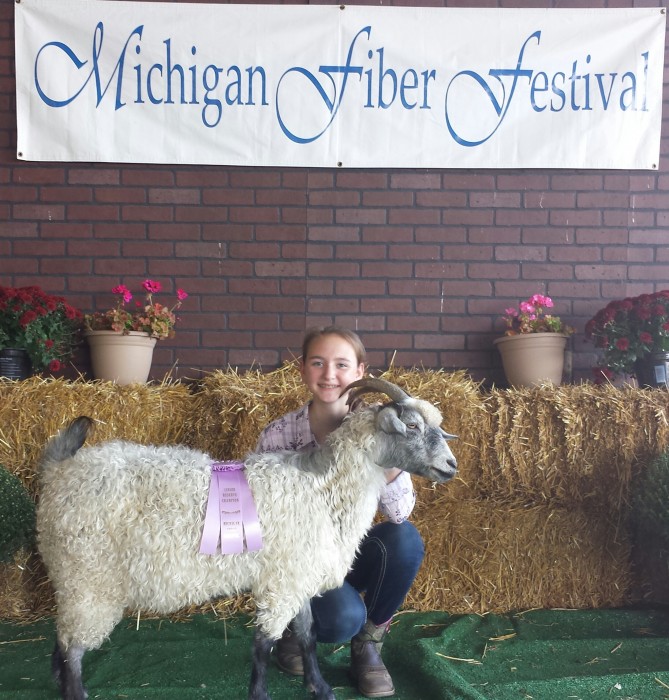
<point x="293" y="432"/>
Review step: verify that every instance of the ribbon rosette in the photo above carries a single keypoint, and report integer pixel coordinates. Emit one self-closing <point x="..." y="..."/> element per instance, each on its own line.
<point x="231" y="512"/>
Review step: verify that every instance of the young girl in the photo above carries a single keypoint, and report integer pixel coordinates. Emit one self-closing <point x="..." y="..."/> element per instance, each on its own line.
<point x="392" y="551"/>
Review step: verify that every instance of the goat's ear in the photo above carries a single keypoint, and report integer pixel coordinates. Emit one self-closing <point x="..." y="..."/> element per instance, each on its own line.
<point x="389" y="421"/>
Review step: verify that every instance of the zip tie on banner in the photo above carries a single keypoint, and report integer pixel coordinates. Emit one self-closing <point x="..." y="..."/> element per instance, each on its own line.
<point x="231" y="514"/>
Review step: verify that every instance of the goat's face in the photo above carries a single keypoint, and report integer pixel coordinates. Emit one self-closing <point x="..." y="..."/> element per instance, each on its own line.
<point x="410" y="438"/>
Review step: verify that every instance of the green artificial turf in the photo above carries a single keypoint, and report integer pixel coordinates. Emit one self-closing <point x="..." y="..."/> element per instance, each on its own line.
<point x="540" y="655"/>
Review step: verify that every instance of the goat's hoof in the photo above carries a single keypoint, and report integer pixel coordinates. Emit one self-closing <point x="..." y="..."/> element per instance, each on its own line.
<point x="322" y="692"/>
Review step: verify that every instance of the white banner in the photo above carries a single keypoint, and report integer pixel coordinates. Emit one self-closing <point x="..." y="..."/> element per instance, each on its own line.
<point x="346" y="86"/>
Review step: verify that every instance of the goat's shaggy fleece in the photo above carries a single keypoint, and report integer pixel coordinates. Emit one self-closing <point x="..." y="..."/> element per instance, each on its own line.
<point x="119" y="526"/>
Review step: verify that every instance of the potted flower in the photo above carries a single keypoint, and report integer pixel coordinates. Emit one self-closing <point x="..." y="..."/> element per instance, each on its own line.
<point x="122" y="339"/>
<point x="38" y="331"/>
<point x="533" y="344"/>
<point x="633" y="334"/>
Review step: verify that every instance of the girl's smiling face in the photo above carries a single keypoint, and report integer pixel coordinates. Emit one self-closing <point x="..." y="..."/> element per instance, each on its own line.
<point x="329" y="367"/>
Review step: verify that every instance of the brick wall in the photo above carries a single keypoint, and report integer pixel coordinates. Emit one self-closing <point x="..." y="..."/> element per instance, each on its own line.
<point x="421" y="263"/>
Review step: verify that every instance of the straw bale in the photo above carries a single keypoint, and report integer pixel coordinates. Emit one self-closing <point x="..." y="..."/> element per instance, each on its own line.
<point x="25" y="592"/>
<point x="536" y="518"/>
<point x="486" y="556"/>
<point x="33" y="410"/>
<point x="232" y="408"/>
<point x="571" y="444"/>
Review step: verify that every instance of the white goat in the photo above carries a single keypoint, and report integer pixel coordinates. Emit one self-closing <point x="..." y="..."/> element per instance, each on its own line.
<point x="119" y="526"/>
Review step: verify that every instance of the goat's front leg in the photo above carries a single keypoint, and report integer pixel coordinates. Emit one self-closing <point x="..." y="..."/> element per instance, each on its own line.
<point x="303" y="628"/>
<point x="66" y="670"/>
<point x="262" y="647"/>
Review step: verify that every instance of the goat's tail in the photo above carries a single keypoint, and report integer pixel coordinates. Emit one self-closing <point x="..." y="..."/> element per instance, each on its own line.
<point x="68" y="441"/>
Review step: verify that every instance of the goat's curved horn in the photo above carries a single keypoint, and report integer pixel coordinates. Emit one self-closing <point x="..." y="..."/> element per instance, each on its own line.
<point x="367" y="384"/>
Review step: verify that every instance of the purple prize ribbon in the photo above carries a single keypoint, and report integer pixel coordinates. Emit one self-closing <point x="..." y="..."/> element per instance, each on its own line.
<point x="231" y="512"/>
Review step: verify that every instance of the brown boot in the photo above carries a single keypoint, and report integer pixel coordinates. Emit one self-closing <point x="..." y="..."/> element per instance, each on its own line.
<point x="289" y="655"/>
<point x="367" y="668"/>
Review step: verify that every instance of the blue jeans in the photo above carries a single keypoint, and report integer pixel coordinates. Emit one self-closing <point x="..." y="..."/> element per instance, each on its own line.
<point x="384" y="570"/>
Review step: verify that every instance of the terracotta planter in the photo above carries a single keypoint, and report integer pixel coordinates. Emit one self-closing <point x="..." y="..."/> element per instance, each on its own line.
<point x="123" y="359"/>
<point x="653" y="370"/>
<point x="533" y="358"/>
<point x="15" y="363"/>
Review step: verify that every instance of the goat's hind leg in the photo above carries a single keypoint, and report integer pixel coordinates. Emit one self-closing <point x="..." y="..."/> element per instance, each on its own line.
<point x="303" y="628"/>
<point x="66" y="671"/>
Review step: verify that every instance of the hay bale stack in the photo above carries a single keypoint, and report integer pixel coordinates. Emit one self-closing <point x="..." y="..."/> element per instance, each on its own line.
<point x="570" y="445"/>
<point x="538" y="516"/>
<point x="232" y="408"/>
<point x="495" y="556"/>
<point x="35" y="409"/>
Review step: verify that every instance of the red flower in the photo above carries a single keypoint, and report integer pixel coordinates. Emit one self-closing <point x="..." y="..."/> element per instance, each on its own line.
<point x="629" y="329"/>
<point x="27" y="318"/>
<point x="54" y="365"/>
<point x="44" y="325"/>
<point x="602" y="374"/>
<point x="71" y="313"/>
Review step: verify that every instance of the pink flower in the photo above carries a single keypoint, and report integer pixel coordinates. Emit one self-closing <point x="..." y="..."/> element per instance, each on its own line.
<point x="151" y="286"/>
<point x="530" y="317"/>
<point x="645" y="337"/>
<point x="146" y="316"/>
<point x="123" y="291"/>
<point x="541" y="300"/>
